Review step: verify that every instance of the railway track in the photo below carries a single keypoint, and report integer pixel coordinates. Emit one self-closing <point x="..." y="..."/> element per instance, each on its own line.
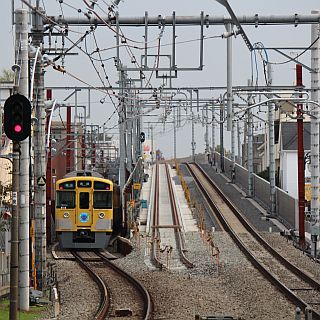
<point x="166" y="226"/>
<point x="298" y="286"/>
<point x="121" y="295"/>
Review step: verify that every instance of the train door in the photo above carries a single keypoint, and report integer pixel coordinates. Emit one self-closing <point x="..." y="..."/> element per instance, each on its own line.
<point x="84" y="214"/>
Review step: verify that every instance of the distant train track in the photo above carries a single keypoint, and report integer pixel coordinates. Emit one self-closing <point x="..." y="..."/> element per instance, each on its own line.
<point x="298" y="286"/>
<point x="172" y="227"/>
<point x="121" y="294"/>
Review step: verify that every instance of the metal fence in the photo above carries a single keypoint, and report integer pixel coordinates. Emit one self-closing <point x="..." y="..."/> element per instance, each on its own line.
<point x="286" y="206"/>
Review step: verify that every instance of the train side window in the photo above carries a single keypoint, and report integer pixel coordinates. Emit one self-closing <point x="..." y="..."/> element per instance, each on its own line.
<point x="84" y="200"/>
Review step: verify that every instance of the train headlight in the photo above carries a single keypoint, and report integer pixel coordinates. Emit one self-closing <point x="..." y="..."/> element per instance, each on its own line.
<point x="101" y="215"/>
<point x="66" y="215"/>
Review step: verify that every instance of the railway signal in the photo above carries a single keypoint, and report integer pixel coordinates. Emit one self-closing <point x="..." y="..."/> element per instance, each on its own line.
<point x="142" y="137"/>
<point x="17" y="117"/>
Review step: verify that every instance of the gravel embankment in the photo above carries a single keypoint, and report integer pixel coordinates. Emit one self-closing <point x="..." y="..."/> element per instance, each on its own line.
<point x="238" y="290"/>
<point x="79" y="295"/>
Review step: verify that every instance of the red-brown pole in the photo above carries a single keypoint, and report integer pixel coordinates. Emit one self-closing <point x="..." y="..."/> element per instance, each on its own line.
<point x="68" y="151"/>
<point x="301" y="187"/>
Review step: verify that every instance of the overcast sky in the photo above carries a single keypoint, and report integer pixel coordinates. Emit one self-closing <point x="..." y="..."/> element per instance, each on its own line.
<point x="214" y="73"/>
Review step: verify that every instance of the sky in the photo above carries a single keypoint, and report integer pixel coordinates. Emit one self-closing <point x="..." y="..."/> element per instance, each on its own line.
<point x="187" y="55"/>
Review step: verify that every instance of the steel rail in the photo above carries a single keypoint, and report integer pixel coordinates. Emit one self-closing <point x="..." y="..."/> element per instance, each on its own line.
<point x="176" y="221"/>
<point x="147" y="301"/>
<point x="289" y="293"/>
<point x="105" y="302"/>
<point x="315" y="284"/>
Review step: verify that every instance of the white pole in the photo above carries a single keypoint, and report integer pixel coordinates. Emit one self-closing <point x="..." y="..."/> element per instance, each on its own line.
<point x="39" y="159"/>
<point x="21" y="16"/>
<point x="315" y="81"/>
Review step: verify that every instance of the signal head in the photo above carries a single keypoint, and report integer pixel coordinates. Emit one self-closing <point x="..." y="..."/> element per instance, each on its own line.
<point x="17" y="117"/>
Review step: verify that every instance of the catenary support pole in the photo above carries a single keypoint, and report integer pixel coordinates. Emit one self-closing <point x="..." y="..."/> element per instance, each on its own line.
<point x="193" y="143"/>
<point x="301" y="191"/>
<point x="128" y="123"/>
<point x="315" y="82"/>
<point x="22" y="59"/>
<point x="221" y="138"/>
<point x="272" y="164"/>
<point x="213" y="137"/>
<point x="122" y="141"/>
<point x="40" y="160"/>
<point x="250" y="149"/>
<point x="68" y="141"/>
<point x="229" y="81"/>
<point x="239" y="143"/>
<point x="207" y="149"/>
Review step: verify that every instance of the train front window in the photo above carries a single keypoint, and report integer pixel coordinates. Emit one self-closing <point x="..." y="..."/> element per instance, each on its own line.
<point x="102" y="200"/>
<point x="66" y="199"/>
<point x="84" y="200"/>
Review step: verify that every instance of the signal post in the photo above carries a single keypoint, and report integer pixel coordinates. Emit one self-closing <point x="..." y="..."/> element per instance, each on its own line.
<point x="17" y="126"/>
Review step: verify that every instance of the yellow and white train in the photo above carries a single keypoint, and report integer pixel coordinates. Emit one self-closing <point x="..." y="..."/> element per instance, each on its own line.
<point x="87" y="210"/>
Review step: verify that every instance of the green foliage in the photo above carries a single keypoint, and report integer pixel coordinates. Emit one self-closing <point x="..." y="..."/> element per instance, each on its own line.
<point x="4" y="193"/>
<point x="264" y="174"/>
<point x="33" y="314"/>
<point x="227" y="153"/>
<point x="7" y="76"/>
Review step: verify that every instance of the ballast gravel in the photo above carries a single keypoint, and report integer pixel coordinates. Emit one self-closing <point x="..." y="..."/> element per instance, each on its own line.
<point x="231" y="288"/>
<point x="237" y="289"/>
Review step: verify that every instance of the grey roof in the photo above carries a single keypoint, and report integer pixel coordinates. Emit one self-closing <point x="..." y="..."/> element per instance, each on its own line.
<point x="289" y="135"/>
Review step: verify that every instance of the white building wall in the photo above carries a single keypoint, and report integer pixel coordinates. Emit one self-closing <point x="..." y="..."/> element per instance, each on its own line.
<point x="289" y="172"/>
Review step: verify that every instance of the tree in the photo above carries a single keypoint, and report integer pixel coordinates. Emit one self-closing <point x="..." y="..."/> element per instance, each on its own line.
<point x="227" y="152"/>
<point x="7" y="76"/>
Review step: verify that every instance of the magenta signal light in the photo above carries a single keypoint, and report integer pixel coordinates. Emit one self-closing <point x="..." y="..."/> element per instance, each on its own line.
<point x="17" y="128"/>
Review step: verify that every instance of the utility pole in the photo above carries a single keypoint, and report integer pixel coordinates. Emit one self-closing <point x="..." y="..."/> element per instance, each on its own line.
<point x="68" y="140"/>
<point x="230" y="120"/>
<point x="239" y="143"/>
<point x="21" y="18"/>
<point x="129" y="127"/>
<point x="221" y="138"/>
<point x="272" y="161"/>
<point x="213" y="125"/>
<point x="122" y="140"/>
<point x="315" y="81"/>
<point x="301" y="183"/>
<point x="193" y="143"/>
<point x="40" y="158"/>
<point x="229" y="78"/>
<point x="250" y="145"/>
<point x="250" y="151"/>
<point x="207" y="132"/>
